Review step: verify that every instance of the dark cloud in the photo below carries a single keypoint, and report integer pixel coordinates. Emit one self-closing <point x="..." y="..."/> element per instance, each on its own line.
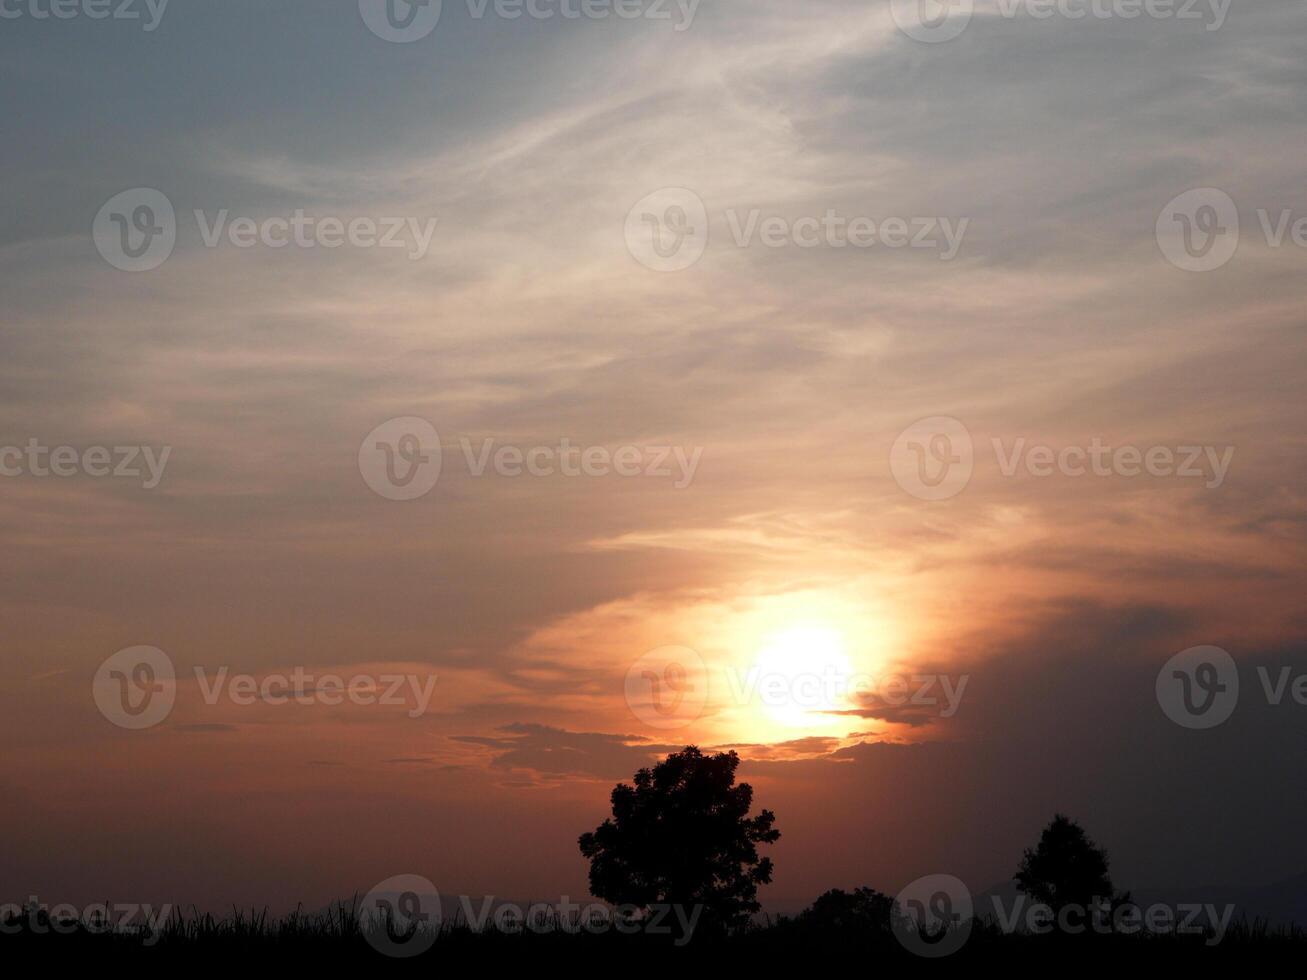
<point x="1067" y="719"/>
<point x="912" y="715"/>
<point x="553" y="751"/>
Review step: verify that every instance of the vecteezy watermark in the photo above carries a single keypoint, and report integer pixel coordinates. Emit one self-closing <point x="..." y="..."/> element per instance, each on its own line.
<point x="1199" y="230"/>
<point x="406" y="21"/>
<point x="402" y="916"/>
<point x="675" y="463"/>
<point x="657" y="919"/>
<point x="934" y="459"/>
<point x="834" y="230"/>
<point x="35" y="917"/>
<point x="680" y="12"/>
<point x="932" y="916"/>
<point x="307" y="231"/>
<point x="402" y="459"/>
<point x="1199" y="687"/>
<point x="936" y="21"/>
<point x="299" y="686"/>
<point x="136" y="231"/>
<point x="149" y="11"/>
<point x="1107" y="917"/>
<point x="668" y="230"/>
<point x="136" y="688"/>
<point x="932" y="21"/>
<point x="822" y="690"/>
<point x="119" y="462"/>
<point x="667" y="688"/>
<point x="1207" y="463"/>
<point x="400" y="21"/>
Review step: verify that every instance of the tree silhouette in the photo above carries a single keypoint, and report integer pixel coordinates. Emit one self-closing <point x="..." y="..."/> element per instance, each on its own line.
<point x="682" y="835"/>
<point x="1065" y="868"/>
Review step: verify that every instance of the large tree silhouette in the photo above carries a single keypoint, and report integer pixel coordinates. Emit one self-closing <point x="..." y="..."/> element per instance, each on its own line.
<point x="1065" y="868"/>
<point x="682" y="835"/>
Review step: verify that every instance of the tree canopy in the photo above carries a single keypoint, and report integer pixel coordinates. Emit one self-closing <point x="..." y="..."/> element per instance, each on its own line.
<point x="1065" y="868"/>
<point x="682" y="835"/>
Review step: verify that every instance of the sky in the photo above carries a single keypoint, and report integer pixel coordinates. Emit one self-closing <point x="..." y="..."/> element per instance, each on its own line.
<point x="721" y="350"/>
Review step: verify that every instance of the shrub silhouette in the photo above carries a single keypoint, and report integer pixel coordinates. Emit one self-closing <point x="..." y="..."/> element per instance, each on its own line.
<point x="1065" y="868"/>
<point x="863" y="909"/>
<point x="682" y="835"/>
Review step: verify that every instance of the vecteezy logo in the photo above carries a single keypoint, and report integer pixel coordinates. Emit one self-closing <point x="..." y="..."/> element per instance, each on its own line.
<point x="1199" y="687"/>
<point x="932" y="916"/>
<point x="932" y="21"/>
<point x="401" y="459"/>
<point x="401" y="916"/>
<point x="668" y="687"/>
<point x="933" y="458"/>
<point x="400" y="21"/>
<point x="136" y="230"/>
<point x="135" y="688"/>
<point x="667" y="231"/>
<point x="1199" y="230"/>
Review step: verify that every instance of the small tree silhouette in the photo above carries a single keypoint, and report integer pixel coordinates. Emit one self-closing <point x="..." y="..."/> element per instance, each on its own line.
<point x="682" y="835"/>
<point x="1065" y="868"/>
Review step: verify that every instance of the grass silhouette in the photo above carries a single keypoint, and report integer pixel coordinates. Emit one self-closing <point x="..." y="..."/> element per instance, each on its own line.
<point x="338" y="937"/>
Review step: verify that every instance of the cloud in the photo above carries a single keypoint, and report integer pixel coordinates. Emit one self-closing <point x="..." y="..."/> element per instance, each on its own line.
<point x="795" y="748"/>
<point x="554" y="752"/>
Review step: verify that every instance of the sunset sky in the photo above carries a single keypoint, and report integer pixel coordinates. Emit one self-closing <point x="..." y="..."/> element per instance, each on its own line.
<point x="776" y="385"/>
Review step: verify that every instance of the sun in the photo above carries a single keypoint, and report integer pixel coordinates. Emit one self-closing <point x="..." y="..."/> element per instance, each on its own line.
<point x="787" y="665"/>
<point x="802" y="673"/>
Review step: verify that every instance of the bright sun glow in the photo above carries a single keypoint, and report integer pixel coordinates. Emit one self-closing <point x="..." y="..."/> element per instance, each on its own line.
<point x="783" y="664"/>
<point x="803" y="672"/>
